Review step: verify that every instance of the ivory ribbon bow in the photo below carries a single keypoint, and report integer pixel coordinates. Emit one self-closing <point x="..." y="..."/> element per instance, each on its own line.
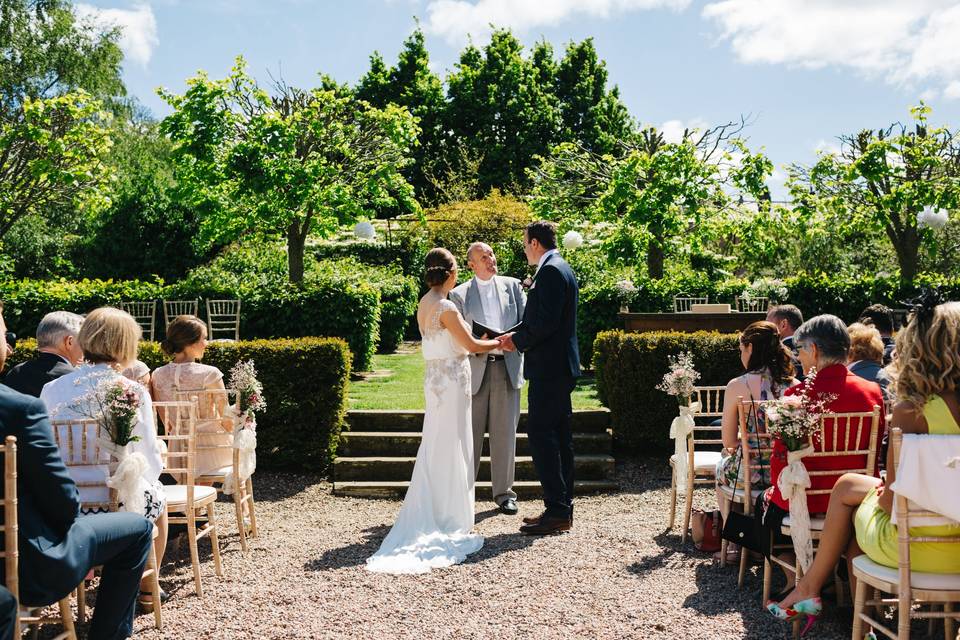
<point x="245" y="440"/>
<point x="128" y="478"/>
<point x="680" y="429"/>
<point x="794" y="482"/>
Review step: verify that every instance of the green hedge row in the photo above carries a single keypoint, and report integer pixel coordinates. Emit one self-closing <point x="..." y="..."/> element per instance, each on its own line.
<point x="628" y="368"/>
<point x="305" y="382"/>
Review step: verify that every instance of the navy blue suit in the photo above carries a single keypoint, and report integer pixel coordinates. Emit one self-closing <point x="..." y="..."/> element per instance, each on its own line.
<point x="547" y="336"/>
<point x="30" y="376"/>
<point x="57" y="546"/>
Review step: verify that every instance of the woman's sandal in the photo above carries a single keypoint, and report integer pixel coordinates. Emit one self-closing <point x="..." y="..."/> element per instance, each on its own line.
<point x="145" y="600"/>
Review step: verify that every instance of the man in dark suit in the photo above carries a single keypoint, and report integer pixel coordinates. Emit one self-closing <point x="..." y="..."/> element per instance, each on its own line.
<point x="788" y="319"/>
<point x="880" y="317"/>
<point x="547" y="337"/>
<point x="58" y="547"/>
<point x="59" y="354"/>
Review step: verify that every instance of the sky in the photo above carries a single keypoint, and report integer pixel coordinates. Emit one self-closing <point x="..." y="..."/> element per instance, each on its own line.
<point x="804" y="71"/>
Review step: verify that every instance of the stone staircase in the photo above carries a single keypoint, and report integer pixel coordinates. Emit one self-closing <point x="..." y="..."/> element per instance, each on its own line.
<point x="377" y="455"/>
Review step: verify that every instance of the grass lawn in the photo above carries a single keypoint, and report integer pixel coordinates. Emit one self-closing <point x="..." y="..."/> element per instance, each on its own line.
<point x="397" y="383"/>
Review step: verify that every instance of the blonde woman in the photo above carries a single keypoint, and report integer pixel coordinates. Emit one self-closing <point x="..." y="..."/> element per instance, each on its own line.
<point x="926" y="375"/>
<point x="185" y="342"/>
<point x="865" y="358"/>
<point x="109" y="339"/>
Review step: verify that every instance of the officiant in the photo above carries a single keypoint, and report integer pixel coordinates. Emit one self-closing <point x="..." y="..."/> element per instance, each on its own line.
<point x="495" y="302"/>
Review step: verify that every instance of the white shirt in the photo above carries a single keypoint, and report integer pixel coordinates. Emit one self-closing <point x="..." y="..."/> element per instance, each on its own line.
<point x="490" y="304"/>
<point x="544" y="257"/>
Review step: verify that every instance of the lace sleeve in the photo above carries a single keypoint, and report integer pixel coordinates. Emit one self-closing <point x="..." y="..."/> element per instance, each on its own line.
<point x="442" y="306"/>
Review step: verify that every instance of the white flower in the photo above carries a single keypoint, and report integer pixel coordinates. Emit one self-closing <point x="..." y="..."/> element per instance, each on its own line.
<point x="626" y="286"/>
<point x="364" y="230"/>
<point x="572" y="240"/>
<point x="933" y="218"/>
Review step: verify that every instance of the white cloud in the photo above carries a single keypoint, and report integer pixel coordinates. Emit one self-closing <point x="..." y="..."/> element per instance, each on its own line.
<point x="672" y="130"/>
<point x="952" y="90"/>
<point x="831" y="147"/>
<point x="455" y="20"/>
<point x="906" y="42"/>
<point x="138" y="27"/>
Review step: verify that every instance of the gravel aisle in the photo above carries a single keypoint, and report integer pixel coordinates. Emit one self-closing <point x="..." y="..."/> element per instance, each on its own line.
<point x="617" y="575"/>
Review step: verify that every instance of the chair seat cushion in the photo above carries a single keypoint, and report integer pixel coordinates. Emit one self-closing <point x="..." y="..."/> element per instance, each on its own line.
<point x="816" y="523"/>
<point x="703" y="461"/>
<point x="728" y="492"/>
<point x="932" y="581"/>
<point x="177" y="493"/>
<point x="216" y="473"/>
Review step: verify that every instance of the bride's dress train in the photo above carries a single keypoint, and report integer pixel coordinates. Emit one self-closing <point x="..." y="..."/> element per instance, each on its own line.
<point x="434" y="526"/>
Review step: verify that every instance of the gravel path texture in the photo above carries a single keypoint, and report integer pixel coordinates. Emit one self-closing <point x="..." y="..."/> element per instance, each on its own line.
<point x="618" y="574"/>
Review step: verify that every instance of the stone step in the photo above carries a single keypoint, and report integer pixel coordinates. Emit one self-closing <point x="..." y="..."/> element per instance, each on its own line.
<point x="406" y="443"/>
<point x="585" y="421"/>
<point x="525" y="489"/>
<point x="587" y="467"/>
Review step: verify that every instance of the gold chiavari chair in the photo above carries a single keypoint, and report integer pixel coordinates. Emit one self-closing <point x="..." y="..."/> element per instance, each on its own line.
<point x="683" y="304"/>
<point x="81" y="453"/>
<point x="195" y="502"/>
<point x="31" y="617"/>
<point x="909" y="587"/>
<point x="701" y="464"/>
<point x="145" y="314"/>
<point x="174" y="308"/>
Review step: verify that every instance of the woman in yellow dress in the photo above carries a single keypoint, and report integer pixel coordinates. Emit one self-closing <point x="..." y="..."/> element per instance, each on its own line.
<point x="926" y="374"/>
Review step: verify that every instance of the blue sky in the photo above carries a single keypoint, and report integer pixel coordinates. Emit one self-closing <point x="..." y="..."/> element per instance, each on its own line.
<point x="806" y="70"/>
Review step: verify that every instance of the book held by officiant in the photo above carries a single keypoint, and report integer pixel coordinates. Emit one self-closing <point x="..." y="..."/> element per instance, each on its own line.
<point x="479" y="330"/>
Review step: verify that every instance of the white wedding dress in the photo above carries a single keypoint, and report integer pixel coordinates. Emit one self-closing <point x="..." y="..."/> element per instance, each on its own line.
<point x="434" y="526"/>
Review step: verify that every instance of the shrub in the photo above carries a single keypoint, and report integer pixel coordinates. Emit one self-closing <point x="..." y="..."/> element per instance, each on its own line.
<point x="628" y="368"/>
<point x="304" y="380"/>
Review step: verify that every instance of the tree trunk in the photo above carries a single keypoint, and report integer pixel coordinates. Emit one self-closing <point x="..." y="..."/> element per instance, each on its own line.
<point x="296" y="238"/>
<point x="655" y="258"/>
<point x="907" y="247"/>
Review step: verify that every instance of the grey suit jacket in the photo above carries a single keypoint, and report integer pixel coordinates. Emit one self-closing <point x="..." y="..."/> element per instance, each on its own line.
<point x="512" y="302"/>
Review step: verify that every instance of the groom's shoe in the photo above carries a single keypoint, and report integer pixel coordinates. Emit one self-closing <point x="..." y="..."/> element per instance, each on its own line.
<point x="546" y="526"/>
<point x="509" y="507"/>
<point x="533" y="519"/>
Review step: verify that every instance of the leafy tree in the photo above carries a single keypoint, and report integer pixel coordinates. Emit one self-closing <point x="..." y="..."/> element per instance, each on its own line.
<point x="411" y="84"/>
<point x="296" y="162"/>
<point x="882" y="180"/>
<point x="657" y="189"/>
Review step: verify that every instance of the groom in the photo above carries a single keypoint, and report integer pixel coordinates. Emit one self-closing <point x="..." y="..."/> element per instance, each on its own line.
<point x="548" y="339"/>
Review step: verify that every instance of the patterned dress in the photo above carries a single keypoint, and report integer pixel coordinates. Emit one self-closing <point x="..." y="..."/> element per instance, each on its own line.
<point x="729" y="469"/>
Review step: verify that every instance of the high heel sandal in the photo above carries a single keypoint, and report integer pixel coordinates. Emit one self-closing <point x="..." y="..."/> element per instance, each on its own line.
<point x="811" y="608"/>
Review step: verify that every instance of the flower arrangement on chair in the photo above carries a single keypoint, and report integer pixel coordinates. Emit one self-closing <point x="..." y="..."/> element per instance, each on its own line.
<point x="795" y="421"/>
<point x="250" y="400"/>
<point x="679" y="382"/>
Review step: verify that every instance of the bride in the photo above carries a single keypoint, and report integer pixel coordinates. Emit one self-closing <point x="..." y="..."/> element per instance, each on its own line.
<point x="434" y="526"/>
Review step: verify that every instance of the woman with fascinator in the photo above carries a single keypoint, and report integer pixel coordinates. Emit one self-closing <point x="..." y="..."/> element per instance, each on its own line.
<point x="926" y="381"/>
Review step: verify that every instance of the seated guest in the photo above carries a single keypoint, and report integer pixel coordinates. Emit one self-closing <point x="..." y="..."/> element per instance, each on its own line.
<point x="926" y="379"/>
<point x="8" y="614"/>
<point x="769" y="373"/>
<point x="186" y="341"/>
<point x="865" y="358"/>
<point x="57" y="546"/>
<point x="138" y="372"/>
<point x="109" y="339"/>
<point x="787" y="319"/>
<point x="824" y="344"/>
<point x="880" y="318"/>
<point x="59" y="354"/>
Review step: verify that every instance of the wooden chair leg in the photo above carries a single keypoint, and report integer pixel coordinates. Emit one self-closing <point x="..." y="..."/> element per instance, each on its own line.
<point x="687" y="508"/>
<point x="194" y="554"/>
<point x="66" y="616"/>
<point x="673" y="497"/>
<point x="251" y="508"/>
<point x="154" y="567"/>
<point x="82" y="602"/>
<point x="214" y="539"/>
<point x="744" y="555"/>
<point x="767" y="580"/>
<point x="723" y="552"/>
<point x="238" y="499"/>
<point x="796" y="621"/>
<point x="948" y="623"/>
<point x="859" y="599"/>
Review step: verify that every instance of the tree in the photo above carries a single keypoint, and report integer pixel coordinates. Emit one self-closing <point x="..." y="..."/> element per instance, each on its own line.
<point x="296" y="162"/>
<point x="882" y="180"/>
<point x="658" y="189"/>
<point x="412" y="85"/>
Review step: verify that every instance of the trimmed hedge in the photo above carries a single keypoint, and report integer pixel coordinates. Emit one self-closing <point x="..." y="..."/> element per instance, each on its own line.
<point x="305" y="382"/>
<point x="628" y="368"/>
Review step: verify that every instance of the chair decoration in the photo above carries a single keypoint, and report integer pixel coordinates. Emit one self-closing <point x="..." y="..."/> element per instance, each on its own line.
<point x="250" y="400"/>
<point x="679" y="382"/>
<point x="795" y="421"/>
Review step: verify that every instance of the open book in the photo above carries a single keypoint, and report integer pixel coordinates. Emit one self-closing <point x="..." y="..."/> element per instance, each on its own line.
<point x="479" y="330"/>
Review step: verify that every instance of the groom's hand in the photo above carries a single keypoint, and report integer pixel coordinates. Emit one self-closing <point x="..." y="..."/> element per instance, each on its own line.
<point x="506" y="342"/>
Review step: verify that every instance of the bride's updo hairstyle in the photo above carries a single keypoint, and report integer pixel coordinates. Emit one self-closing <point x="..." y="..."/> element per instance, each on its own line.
<point x="438" y="265"/>
<point x="182" y="332"/>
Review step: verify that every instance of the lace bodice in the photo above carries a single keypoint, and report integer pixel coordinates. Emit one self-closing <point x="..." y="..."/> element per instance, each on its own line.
<point x="438" y="343"/>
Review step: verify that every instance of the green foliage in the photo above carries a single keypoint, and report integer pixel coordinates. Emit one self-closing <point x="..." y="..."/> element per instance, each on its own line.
<point x="287" y="165"/>
<point x="628" y="367"/>
<point x="305" y="382"/>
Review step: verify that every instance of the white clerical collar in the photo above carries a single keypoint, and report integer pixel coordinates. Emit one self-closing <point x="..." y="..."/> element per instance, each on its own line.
<point x="485" y="283"/>
<point x="544" y="257"/>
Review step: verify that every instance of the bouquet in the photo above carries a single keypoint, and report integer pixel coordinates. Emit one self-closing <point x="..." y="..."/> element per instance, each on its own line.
<point x="113" y="402"/>
<point x="680" y="379"/>
<point x="243" y="378"/>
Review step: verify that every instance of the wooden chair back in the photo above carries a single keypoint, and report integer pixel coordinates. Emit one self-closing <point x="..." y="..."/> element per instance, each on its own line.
<point x="212" y="406"/>
<point x="10" y="553"/>
<point x="752" y="304"/>
<point x="144" y="313"/>
<point x="174" y="308"/>
<point x="87" y="463"/>
<point x="682" y="304"/>
<point x="752" y="451"/>
<point x="854" y="437"/>
<point x="223" y="316"/>
<point x="711" y="408"/>
<point x="179" y="420"/>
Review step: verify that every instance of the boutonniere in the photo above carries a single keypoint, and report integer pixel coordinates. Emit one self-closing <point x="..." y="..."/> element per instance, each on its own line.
<point x="527" y="283"/>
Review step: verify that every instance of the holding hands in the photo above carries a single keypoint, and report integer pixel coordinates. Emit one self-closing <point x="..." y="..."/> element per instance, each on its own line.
<point x="506" y="342"/>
